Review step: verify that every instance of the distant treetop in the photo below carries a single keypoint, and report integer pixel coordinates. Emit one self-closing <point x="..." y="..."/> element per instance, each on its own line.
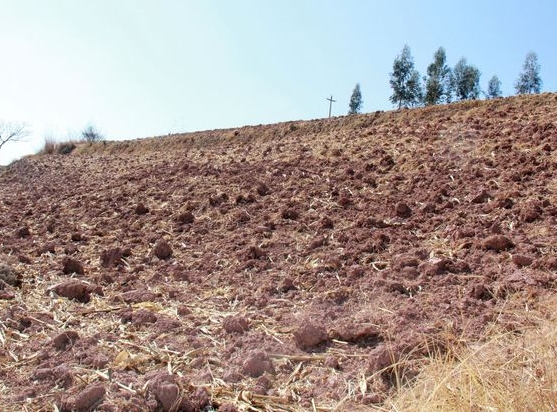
<point x="356" y="101"/>
<point x="443" y="84"/>
<point x="494" y="88"/>
<point x="466" y="81"/>
<point x="405" y="81"/>
<point x="529" y="80"/>
<point x="438" y="83"/>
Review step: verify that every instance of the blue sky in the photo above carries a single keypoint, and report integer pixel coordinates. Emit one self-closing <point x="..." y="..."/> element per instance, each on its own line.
<point x="137" y="68"/>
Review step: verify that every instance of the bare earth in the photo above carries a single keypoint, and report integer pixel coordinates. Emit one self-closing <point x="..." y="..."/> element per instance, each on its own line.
<point x="299" y="266"/>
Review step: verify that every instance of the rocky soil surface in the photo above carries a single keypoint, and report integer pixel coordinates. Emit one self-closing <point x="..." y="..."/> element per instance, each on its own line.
<point x="300" y="266"/>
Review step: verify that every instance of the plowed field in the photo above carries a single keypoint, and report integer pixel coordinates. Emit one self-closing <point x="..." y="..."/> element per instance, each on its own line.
<point x="299" y="266"/>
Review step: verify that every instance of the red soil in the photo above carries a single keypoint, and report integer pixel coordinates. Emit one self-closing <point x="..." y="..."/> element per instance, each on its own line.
<point x="286" y="266"/>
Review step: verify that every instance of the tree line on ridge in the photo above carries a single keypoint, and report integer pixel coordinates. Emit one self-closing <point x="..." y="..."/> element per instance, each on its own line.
<point x="443" y="84"/>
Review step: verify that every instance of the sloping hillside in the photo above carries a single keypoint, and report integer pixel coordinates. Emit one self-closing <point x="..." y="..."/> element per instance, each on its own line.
<point x="307" y="265"/>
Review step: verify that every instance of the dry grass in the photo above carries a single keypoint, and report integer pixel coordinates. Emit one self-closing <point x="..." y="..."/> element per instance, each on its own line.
<point x="509" y="371"/>
<point x="51" y="146"/>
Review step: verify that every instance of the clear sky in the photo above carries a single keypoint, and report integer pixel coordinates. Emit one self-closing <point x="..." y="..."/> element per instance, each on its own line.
<point x="137" y="68"/>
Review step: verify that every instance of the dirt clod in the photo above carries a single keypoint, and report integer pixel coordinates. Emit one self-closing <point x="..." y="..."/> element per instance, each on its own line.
<point x="143" y="316"/>
<point x="85" y="400"/>
<point x="498" y="243"/>
<point x="287" y="284"/>
<point x="481" y="197"/>
<point x="380" y="358"/>
<point x="235" y="324"/>
<point x="186" y="217"/>
<point x="138" y="296"/>
<point x="309" y="334"/>
<point x="141" y="209"/>
<point x="318" y="242"/>
<point x="77" y="290"/>
<point x="257" y="363"/>
<point x="166" y="391"/>
<point x="480" y="292"/>
<point x="531" y="212"/>
<point x="71" y="265"/>
<point x="255" y="252"/>
<point x="290" y="214"/>
<point x="522" y="260"/>
<point x="162" y="249"/>
<point x="23" y="232"/>
<point x="403" y="210"/>
<point x="65" y="339"/>
<point x="331" y="362"/>
<point x="263" y="189"/>
<point x="49" y="247"/>
<point x="327" y="223"/>
<point x="111" y="257"/>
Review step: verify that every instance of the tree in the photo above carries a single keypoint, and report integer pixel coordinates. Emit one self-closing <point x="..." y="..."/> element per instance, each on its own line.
<point x="466" y="81"/>
<point x="91" y="134"/>
<point x="12" y="132"/>
<point x="416" y="91"/>
<point x="356" y="101"/>
<point x="405" y="81"/>
<point x="438" y="83"/>
<point x="494" y="88"/>
<point x="529" y="80"/>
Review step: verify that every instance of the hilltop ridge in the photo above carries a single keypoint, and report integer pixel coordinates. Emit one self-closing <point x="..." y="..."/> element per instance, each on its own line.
<point x="272" y="132"/>
<point x="275" y="266"/>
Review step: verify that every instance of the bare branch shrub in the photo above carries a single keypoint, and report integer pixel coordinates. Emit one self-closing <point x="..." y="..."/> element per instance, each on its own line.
<point x="12" y="132"/>
<point x="91" y="134"/>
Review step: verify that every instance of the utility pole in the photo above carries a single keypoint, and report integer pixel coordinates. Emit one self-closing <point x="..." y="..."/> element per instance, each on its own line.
<point x="331" y="101"/>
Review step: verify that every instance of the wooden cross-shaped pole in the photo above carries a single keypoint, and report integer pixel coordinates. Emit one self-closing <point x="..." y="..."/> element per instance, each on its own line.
<point x="331" y="101"/>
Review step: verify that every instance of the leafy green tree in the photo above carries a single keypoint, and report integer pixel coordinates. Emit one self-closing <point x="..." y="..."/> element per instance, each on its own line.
<point x="356" y="101"/>
<point x="416" y="89"/>
<point x="438" y="83"/>
<point x="494" y="88"/>
<point x="405" y="81"/>
<point x="529" y="80"/>
<point x="466" y="81"/>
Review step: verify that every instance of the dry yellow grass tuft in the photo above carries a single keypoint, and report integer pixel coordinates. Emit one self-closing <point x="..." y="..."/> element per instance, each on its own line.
<point x="51" y="146"/>
<point x="508" y="371"/>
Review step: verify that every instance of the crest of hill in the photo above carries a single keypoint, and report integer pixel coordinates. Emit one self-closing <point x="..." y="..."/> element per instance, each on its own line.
<point x="410" y="139"/>
<point x="462" y="119"/>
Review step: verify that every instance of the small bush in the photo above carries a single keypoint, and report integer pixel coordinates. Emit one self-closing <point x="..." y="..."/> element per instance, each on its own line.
<point x="91" y="134"/>
<point x="66" y="147"/>
<point x="53" y="147"/>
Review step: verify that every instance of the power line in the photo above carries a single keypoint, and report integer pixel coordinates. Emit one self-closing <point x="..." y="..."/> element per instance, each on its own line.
<point x="331" y="101"/>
